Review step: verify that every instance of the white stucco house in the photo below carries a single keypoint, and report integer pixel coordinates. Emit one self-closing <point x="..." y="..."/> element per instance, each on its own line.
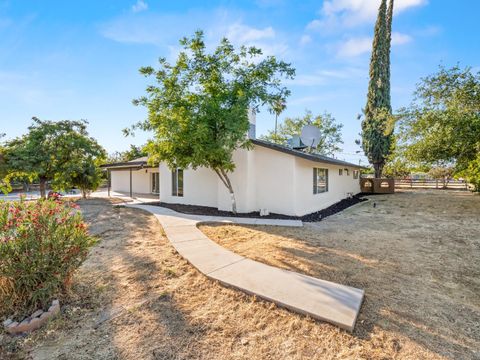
<point x="269" y="177"/>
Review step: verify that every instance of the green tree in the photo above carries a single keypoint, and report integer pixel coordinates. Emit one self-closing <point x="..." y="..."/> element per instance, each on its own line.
<point x="471" y="172"/>
<point x="397" y="168"/>
<point x="134" y="152"/>
<point x="441" y="173"/>
<point x="277" y="109"/>
<point x="378" y="124"/>
<point x="4" y="185"/>
<point x="198" y="108"/>
<point x="442" y="125"/>
<point x="51" y="151"/>
<point x="330" y="130"/>
<point x="86" y="175"/>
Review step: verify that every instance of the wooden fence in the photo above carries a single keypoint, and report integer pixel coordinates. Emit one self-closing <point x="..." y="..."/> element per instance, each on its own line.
<point x="431" y="184"/>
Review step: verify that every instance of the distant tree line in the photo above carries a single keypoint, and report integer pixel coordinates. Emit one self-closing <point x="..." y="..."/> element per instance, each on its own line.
<point x="134" y="152"/>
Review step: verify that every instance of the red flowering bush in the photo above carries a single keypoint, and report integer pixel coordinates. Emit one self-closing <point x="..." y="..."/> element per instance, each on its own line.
<point x="41" y="245"/>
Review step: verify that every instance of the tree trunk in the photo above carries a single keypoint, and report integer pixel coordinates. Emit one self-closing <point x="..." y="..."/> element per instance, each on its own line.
<point x="26" y="186"/>
<point x="226" y="181"/>
<point x="84" y="193"/>
<point x="378" y="167"/>
<point x="43" y="188"/>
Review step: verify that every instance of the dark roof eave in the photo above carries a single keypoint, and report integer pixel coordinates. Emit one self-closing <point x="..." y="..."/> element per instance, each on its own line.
<point x="301" y="154"/>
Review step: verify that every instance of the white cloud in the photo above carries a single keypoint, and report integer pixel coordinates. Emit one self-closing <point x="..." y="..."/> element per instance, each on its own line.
<point x="314" y="24"/>
<point x="350" y="13"/>
<point x="321" y="77"/>
<point x="163" y="30"/>
<point x="400" y="39"/>
<point x="139" y="6"/>
<point x="244" y="34"/>
<point x="355" y="47"/>
<point x="360" y="45"/>
<point x="305" y="39"/>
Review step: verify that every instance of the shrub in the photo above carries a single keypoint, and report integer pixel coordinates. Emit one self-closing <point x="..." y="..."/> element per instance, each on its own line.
<point x="41" y="245"/>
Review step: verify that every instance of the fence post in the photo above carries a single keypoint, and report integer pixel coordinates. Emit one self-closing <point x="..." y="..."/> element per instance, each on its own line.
<point x="411" y="183"/>
<point x="436" y="183"/>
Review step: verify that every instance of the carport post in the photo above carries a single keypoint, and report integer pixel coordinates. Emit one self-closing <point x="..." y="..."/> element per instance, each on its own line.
<point x="131" y="193"/>
<point x="108" y="181"/>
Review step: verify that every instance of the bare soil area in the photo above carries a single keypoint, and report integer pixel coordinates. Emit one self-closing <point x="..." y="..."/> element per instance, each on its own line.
<point x="416" y="254"/>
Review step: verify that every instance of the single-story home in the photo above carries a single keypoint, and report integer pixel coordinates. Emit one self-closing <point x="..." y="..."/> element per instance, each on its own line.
<point x="268" y="178"/>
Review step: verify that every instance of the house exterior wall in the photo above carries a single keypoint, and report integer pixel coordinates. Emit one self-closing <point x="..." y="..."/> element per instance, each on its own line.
<point x="263" y="179"/>
<point x="141" y="180"/>
<point x="338" y="186"/>
<point x="200" y="187"/>
<point x="243" y="181"/>
<point x="275" y="181"/>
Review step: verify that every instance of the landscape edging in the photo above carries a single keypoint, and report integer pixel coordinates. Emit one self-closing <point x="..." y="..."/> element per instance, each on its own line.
<point x="32" y="322"/>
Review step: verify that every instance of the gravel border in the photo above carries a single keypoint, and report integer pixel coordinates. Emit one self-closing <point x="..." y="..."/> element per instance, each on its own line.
<point x="313" y="217"/>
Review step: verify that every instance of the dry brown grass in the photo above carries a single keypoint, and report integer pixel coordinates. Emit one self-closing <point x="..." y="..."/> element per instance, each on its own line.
<point x="190" y="317"/>
<point x="416" y="255"/>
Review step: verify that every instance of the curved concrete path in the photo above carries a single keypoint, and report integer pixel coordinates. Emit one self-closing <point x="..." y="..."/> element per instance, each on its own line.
<point x="323" y="300"/>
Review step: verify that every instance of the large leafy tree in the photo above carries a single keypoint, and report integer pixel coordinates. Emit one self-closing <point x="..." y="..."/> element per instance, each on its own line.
<point x="442" y="125"/>
<point x="52" y="151"/>
<point x="397" y="165"/>
<point x="378" y="124"/>
<point x="330" y="130"/>
<point x="198" y="106"/>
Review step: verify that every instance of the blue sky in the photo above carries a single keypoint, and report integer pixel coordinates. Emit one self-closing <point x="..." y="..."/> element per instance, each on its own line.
<point x="80" y="59"/>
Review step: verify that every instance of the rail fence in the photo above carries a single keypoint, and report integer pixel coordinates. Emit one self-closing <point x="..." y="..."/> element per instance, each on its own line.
<point x="431" y="184"/>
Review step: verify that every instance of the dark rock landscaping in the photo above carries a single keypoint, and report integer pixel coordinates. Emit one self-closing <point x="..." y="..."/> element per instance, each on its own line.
<point x="313" y="217"/>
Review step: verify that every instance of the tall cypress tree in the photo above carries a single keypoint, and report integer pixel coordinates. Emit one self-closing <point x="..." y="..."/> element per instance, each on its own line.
<point x="377" y="126"/>
<point x="389" y="20"/>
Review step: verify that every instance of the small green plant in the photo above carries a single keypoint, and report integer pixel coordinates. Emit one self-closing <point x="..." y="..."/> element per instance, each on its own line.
<point x="41" y="245"/>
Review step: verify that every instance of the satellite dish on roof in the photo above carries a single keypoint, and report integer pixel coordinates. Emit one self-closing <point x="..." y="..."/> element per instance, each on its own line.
<point x="310" y="136"/>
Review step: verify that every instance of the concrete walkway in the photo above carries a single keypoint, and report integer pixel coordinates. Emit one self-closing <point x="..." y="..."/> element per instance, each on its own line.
<point x="323" y="300"/>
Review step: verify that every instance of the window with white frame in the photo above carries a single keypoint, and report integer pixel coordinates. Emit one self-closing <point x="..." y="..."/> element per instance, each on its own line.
<point x="177" y="182"/>
<point x="340" y="172"/>
<point x="320" y="180"/>
<point x="355" y="174"/>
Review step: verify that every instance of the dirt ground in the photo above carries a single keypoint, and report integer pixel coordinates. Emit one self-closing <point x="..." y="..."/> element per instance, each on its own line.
<point x="415" y="254"/>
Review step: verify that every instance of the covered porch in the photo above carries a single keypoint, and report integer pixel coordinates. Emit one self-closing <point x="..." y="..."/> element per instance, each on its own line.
<point x="133" y="179"/>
